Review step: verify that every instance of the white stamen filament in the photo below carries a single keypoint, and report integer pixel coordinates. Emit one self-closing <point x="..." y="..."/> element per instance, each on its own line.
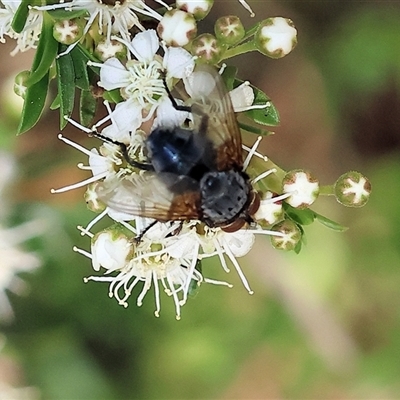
<point x="263" y="175"/>
<point x="236" y="265"/>
<point x="251" y="153"/>
<point x="85" y="182"/>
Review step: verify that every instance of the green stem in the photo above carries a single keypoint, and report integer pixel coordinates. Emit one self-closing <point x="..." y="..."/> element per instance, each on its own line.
<point x="240" y="49"/>
<point x="327" y="190"/>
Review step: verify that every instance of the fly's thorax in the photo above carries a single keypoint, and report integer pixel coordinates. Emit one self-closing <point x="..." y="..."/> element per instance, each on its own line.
<point x="224" y="195"/>
<point x="176" y="150"/>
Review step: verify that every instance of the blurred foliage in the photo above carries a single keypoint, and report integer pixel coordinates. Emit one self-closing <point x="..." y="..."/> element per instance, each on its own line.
<point x="75" y="343"/>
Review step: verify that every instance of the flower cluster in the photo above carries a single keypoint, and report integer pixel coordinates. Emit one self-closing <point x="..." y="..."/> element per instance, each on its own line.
<point x="170" y="139"/>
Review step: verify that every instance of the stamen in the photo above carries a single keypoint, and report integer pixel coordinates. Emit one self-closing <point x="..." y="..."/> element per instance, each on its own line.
<point x="84" y="231"/>
<point x="237" y="266"/>
<point x="94" y="221"/>
<point x="156" y="294"/>
<point x="85" y="182"/>
<point x="175" y="297"/>
<point x="215" y="282"/>
<point x="263" y="175"/>
<point x="251" y="152"/>
<point x="247" y="7"/>
<point x="83" y="252"/>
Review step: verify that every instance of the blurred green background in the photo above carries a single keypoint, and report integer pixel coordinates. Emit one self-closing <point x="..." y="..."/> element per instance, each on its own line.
<point x="321" y="325"/>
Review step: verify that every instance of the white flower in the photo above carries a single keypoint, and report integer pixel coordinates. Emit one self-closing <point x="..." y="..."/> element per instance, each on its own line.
<point x="141" y="80"/>
<point x="270" y="210"/>
<point x="27" y="39"/>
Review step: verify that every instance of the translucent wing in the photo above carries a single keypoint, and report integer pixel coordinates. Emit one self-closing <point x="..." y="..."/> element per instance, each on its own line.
<point x="213" y="112"/>
<point x="147" y="195"/>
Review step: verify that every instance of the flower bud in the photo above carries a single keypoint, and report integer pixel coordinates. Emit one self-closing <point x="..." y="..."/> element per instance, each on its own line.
<point x="352" y="189"/>
<point x="229" y="30"/>
<point x="198" y="8"/>
<point x="276" y="37"/>
<point x="19" y="83"/>
<point x="177" y="28"/>
<point x="109" y="48"/>
<point x="291" y="235"/>
<point x="68" y="31"/>
<point x="207" y="48"/>
<point x="302" y="187"/>
<point x="110" y="249"/>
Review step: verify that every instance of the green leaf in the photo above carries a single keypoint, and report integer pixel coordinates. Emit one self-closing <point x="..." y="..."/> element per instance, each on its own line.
<point x="66" y="85"/>
<point x="56" y="103"/>
<point x="80" y="60"/>
<point x="300" y="216"/>
<point x="35" y="99"/>
<point x="229" y="77"/>
<point x="269" y="115"/>
<point x="20" y="16"/>
<point x="87" y="107"/>
<point x="62" y="14"/>
<point x="113" y="96"/>
<point x="330" y="224"/>
<point x="46" y="52"/>
<point x="254" y="129"/>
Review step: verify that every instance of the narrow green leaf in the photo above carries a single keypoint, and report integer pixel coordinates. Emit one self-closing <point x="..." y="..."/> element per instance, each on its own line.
<point x="87" y="108"/>
<point x="254" y="129"/>
<point x="269" y="115"/>
<point x="330" y="224"/>
<point x="20" y="16"/>
<point x="66" y="85"/>
<point x="300" y="216"/>
<point x="80" y="60"/>
<point x="56" y="103"/>
<point x="35" y="99"/>
<point x="229" y="76"/>
<point x="46" y="52"/>
<point x="62" y="14"/>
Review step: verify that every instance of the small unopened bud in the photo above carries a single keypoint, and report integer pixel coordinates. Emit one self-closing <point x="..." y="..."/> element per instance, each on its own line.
<point x="110" y="249"/>
<point x="291" y="235"/>
<point x="276" y="37"/>
<point x="109" y="48"/>
<point x="19" y="83"/>
<point x="302" y="187"/>
<point x="92" y="199"/>
<point x="198" y="8"/>
<point x="177" y="28"/>
<point x="352" y="189"/>
<point x="269" y="211"/>
<point x="229" y="30"/>
<point x="207" y="48"/>
<point x="68" y="31"/>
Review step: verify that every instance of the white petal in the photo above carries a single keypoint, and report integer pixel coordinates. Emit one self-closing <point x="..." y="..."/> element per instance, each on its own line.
<point x="113" y="75"/>
<point x="168" y="116"/>
<point x="145" y="45"/>
<point x="98" y="163"/>
<point x="242" y="97"/>
<point x="178" y="62"/>
<point x="240" y="242"/>
<point x="108" y="252"/>
<point x="126" y="118"/>
<point x="199" y="84"/>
